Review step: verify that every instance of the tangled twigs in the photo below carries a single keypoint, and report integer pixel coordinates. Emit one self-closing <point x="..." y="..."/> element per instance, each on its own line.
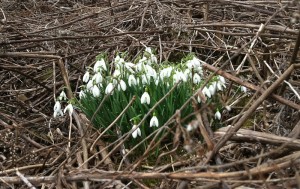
<point x="46" y="45"/>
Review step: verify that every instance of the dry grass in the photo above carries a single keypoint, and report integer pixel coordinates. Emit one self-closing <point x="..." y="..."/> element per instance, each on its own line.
<point x="46" y="45"/>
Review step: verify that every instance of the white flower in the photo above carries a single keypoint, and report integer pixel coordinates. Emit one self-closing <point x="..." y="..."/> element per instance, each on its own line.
<point x="187" y="73"/>
<point x="122" y="85"/>
<point x="86" y="77"/>
<point x="154" y="121"/>
<point x="165" y="73"/>
<point x="213" y="88"/>
<point x="145" y="79"/>
<point x="179" y="76"/>
<point x="132" y="81"/>
<point x="153" y="58"/>
<point x="222" y="79"/>
<point x="116" y="73"/>
<point x="57" y="106"/>
<point x="189" y="128"/>
<point x="228" y="108"/>
<point x="145" y="98"/>
<point x="150" y="72"/>
<point x="96" y="91"/>
<point x="59" y="113"/>
<point x="136" y="132"/>
<point x="109" y="88"/>
<point x="199" y="99"/>
<point x="218" y="115"/>
<point x="90" y="85"/>
<point x="194" y="63"/>
<point x="62" y="96"/>
<point x="206" y="92"/>
<point x="130" y="66"/>
<point x="82" y="94"/>
<point x="57" y="109"/>
<point x="97" y="78"/>
<point x="69" y="108"/>
<point x="196" y="78"/>
<point x="148" y="50"/>
<point x="100" y="64"/>
<point x="244" y="89"/>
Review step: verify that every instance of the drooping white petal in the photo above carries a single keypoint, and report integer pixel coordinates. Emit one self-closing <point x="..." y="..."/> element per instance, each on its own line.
<point x="213" y="88"/>
<point x="122" y="85"/>
<point x="222" y="79"/>
<point x="86" y="77"/>
<point x="243" y="89"/>
<point x="196" y="78"/>
<point x="90" y="85"/>
<point x="145" y="98"/>
<point x="132" y="81"/>
<point x="69" y="108"/>
<point x="62" y="96"/>
<point x="96" y="91"/>
<point x="82" y="94"/>
<point x="98" y="78"/>
<point x="109" y="88"/>
<point x="116" y="73"/>
<point x="57" y="106"/>
<point x="99" y="66"/>
<point x="206" y="92"/>
<point x="154" y="121"/>
<point x="136" y="132"/>
<point x="218" y="115"/>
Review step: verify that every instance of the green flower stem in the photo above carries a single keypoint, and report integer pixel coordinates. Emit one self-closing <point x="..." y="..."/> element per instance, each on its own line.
<point x="114" y="122"/>
<point x="102" y="102"/>
<point x="128" y="134"/>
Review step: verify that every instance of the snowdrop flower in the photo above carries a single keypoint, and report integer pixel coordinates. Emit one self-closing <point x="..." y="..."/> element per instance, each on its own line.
<point x="221" y="83"/>
<point x="199" y="99"/>
<point x="145" y="98"/>
<point x="218" y="115"/>
<point x="156" y="81"/>
<point x="148" y="50"/>
<point x="187" y="73"/>
<point x="194" y="63"/>
<point x="109" y="88"/>
<point x="132" y="81"/>
<point x="243" y="89"/>
<point x="206" y="92"/>
<point x="136" y="132"/>
<point x="165" y="73"/>
<point x="100" y="64"/>
<point x="153" y="59"/>
<point x="69" y="108"/>
<point x="228" y="108"/>
<point x="90" y="85"/>
<point x="179" y="76"/>
<point x="150" y="72"/>
<point x="145" y="79"/>
<point x="96" y="91"/>
<point x="222" y="79"/>
<point x="116" y="73"/>
<point x="122" y="85"/>
<point x="129" y="66"/>
<point x="154" y="121"/>
<point x="62" y="96"/>
<point x="196" y="78"/>
<point x="57" y="109"/>
<point x="97" y="78"/>
<point x="213" y="88"/>
<point x="82" y="94"/>
<point x="86" y="77"/>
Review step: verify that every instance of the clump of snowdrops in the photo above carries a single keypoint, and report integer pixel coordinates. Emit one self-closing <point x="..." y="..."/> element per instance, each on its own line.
<point x="110" y="86"/>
